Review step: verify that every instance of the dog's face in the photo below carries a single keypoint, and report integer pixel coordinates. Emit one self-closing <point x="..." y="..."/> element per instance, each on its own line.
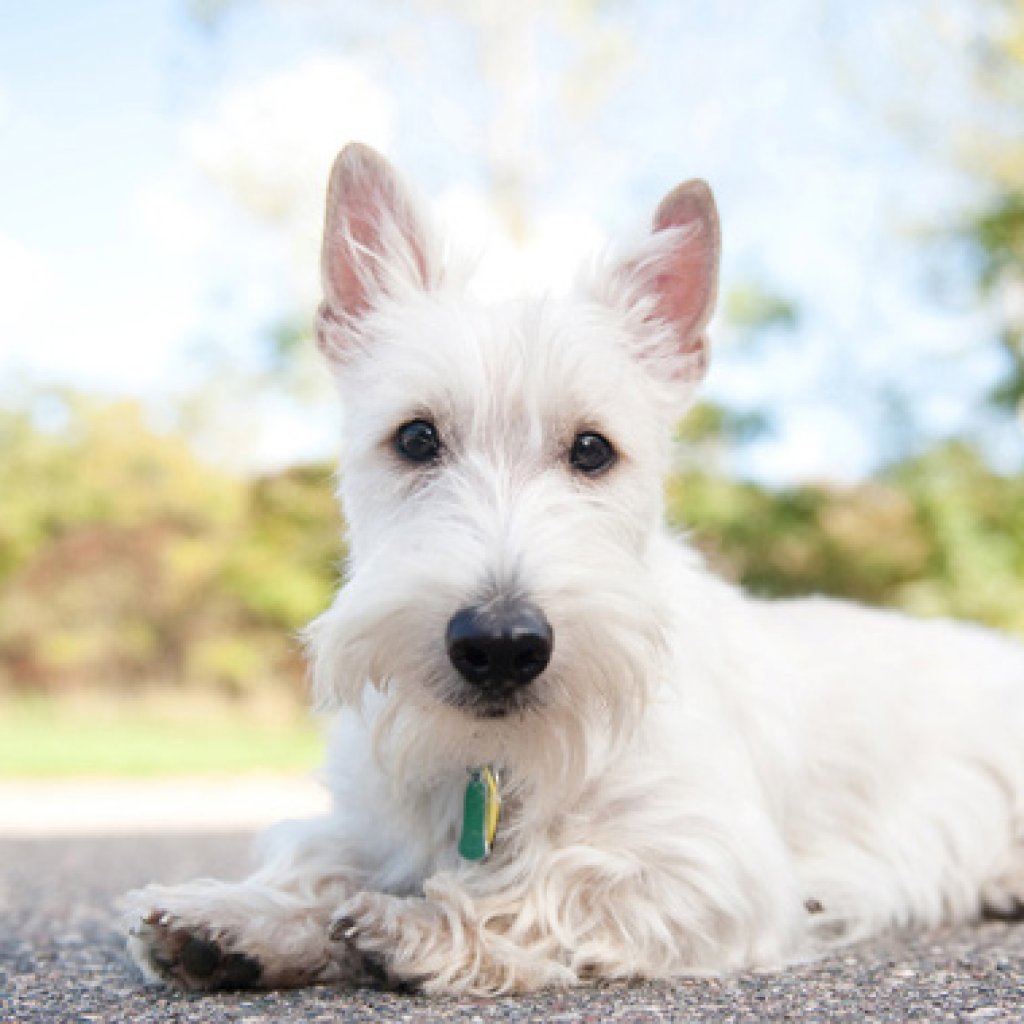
<point x="502" y="465"/>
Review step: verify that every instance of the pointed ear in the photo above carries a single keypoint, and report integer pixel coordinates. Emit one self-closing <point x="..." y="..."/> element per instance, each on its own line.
<point x="375" y="244"/>
<point x="678" y="273"/>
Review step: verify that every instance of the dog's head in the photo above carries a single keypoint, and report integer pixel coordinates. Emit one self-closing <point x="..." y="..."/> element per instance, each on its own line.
<point x="502" y="473"/>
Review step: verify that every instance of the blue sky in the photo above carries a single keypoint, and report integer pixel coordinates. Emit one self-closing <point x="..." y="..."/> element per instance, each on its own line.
<point x="87" y="109"/>
<point x="140" y="251"/>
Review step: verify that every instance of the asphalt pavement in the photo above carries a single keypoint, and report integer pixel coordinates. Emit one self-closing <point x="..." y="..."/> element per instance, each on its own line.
<point x="62" y="961"/>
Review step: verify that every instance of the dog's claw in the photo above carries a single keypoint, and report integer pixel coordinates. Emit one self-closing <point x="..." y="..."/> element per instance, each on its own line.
<point x="341" y="929"/>
<point x="371" y="966"/>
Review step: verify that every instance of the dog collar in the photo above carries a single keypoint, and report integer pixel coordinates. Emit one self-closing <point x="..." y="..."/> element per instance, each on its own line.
<point x="481" y="806"/>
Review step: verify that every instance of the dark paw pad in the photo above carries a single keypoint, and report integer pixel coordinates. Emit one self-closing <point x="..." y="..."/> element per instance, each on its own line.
<point x="1010" y="909"/>
<point x="204" y="961"/>
<point x="375" y="970"/>
<point x="195" y="961"/>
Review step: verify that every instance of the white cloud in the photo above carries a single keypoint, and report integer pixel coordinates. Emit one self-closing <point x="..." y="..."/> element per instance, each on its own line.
<point x="173" y="212"/>
<point x="812" y="442"/>
<point x="26" y="281"/>
<point x="271" y="142"/>
<point x="56" y="327"/>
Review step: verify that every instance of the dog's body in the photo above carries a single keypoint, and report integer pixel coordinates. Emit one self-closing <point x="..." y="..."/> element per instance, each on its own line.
<point x="691" y="780"/>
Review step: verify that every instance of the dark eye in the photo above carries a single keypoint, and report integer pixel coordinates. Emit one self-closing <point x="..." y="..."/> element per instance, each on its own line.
<point x="591" y="453"/>
<point x="417" y="441"/>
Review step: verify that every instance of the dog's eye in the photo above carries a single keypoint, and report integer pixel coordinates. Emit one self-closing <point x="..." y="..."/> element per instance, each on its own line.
<point x="591" y="453"/>
<point x="417" y="441"/>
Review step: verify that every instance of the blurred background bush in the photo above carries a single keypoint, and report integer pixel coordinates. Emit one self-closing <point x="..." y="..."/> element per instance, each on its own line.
<point x="166" y="432"/>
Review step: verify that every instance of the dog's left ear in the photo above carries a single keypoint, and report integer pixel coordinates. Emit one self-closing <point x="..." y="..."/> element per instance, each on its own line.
<point x="675" y="275"/>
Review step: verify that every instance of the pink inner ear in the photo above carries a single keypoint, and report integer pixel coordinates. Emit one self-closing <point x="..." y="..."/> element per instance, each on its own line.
<point x="346" y="286"/>
<point x="683" y="296"/>
<point x="686" y="280"/>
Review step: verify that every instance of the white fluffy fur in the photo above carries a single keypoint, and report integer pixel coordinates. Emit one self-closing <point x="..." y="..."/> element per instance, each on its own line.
<point x="699" y="782"/>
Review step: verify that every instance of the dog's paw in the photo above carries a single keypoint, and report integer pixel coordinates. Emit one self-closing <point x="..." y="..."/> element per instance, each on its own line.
<point x="207" y="935"/>
<point x="1003" y="900"/>
<point x="371" y="921"/>
<point x="366" y="929"/>
<point x="189" y="957"/>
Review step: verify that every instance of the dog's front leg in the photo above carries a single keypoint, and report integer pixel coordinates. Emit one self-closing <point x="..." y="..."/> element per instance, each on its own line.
<point x="438" y="945"/>
<point x="708" y="893"/>
<point x="268" y="931"/>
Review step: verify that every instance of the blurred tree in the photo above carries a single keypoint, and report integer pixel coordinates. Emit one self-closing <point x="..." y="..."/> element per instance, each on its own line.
<point x="752" y="309"/>
<point x="994" y="153"/>
<point x="940" y="534"/>
<point x="124" y="560"/>
<point x="998" y="232"/>
<point x="507" y="38"/>
<point x="68" y="461"/>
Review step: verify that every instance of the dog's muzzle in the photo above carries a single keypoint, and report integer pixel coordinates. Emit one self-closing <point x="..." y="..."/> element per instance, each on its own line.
<point x="501" y="647"/>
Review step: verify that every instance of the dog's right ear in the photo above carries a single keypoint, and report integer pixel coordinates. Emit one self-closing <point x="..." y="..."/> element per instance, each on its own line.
<point x="375" y="244"/>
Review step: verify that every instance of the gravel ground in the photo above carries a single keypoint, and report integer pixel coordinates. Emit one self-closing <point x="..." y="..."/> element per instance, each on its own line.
<point x="62" y="961"/>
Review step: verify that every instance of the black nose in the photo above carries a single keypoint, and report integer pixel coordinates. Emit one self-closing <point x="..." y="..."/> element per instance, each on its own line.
<point x="501" y="646"/>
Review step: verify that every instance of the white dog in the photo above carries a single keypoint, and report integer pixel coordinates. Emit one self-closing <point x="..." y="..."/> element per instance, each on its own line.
<point x="689" y="780"/>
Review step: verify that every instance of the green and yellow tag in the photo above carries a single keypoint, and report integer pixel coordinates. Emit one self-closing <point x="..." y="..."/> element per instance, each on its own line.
<point x="480" y="807"/>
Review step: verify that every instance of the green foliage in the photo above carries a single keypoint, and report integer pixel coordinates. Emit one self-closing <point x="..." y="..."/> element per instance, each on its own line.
<point x="750" y="308"/>
<point x="66" y="462"/>
<point x="937" y="535"/>
<point x="293" y="517"/>
<point x="999" y="232"/>
<point x="995" y="156"/>
<point x="708" y="423"/>
<point x="125" y="560"/>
